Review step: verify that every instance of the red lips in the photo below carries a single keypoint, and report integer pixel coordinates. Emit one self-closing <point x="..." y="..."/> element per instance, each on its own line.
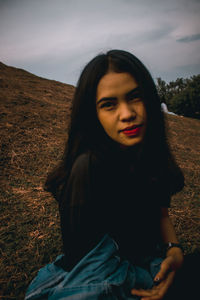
<point x="133" y="130"/>
<point x="131" y="127"/>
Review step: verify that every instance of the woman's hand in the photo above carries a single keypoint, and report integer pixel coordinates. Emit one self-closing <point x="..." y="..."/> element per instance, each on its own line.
<point x="164" y="278"/>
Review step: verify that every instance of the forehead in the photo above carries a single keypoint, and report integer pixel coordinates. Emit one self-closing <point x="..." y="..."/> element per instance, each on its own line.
<point x="114" y="84"/>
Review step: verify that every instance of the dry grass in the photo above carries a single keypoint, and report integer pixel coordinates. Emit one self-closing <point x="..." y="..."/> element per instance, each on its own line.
<point x="34" y="114"/>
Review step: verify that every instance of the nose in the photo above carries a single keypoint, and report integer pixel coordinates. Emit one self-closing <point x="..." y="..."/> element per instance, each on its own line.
<point x="126" y="112"/>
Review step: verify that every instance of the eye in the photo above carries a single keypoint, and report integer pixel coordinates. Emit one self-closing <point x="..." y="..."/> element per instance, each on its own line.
<point x="136" y="97"/>
<point x="107" y="105"/>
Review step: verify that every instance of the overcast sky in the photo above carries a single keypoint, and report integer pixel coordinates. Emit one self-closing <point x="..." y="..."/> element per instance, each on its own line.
<point x="56" y="38"/>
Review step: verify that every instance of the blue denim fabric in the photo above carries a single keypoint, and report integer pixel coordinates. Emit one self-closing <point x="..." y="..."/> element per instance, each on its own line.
<point x="101" y="274"/>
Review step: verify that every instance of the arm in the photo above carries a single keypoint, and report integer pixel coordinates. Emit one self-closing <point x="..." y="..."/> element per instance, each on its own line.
<point x="174" y="256"/>
<point x="169" y="266"/>
<point x="167" y="229"/>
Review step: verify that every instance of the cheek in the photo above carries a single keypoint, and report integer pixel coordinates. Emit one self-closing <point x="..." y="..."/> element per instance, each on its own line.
<point x="141" y="111"/>
<point x="106" y="121"/>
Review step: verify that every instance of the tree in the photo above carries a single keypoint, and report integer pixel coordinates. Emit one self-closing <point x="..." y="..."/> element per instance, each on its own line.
<point x="162" y="89"/>
<point x="187" y="101"/>
<point x="182" y="96"/>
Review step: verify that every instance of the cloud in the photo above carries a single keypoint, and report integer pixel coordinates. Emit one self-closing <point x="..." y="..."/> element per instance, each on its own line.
<point x="56" y="39"/>
<point x="190" y="38"/>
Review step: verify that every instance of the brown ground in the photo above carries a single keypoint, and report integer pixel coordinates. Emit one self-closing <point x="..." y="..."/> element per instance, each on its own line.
<point x="34" y="115"/>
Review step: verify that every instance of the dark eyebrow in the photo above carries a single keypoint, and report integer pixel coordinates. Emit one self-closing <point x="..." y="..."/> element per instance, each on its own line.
<point x="106" y="99"/>
<point x="133" y="91"/>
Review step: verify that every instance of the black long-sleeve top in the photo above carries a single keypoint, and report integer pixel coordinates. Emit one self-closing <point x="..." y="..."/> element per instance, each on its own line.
<point x="108" y="196"/>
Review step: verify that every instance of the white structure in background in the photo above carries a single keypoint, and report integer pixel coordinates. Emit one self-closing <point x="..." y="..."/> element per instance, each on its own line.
<point x="165" y="109"/>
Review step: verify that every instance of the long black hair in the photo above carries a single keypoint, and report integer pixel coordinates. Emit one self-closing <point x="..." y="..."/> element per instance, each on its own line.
<point x="86" y="133"/>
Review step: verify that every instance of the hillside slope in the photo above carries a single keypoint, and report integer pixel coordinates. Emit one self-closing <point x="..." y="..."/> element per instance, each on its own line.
<point x="33" y="111"/>
<point x="34" y="115"/>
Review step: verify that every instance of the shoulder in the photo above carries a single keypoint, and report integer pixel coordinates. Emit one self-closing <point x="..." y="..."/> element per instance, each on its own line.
<point x="89" y="167"/>
<point x="92" y="168"/>
<point x="88" y="160"/>
<point x="81" y="163"/>
<point x="85" y="165"/>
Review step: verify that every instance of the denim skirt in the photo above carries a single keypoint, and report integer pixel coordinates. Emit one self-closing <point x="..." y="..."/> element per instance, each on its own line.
<point x="101" y="274"/>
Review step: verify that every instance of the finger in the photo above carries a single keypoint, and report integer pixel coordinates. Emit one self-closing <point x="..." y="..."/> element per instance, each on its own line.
<point x="158" y="296"/>
<point x="143" y="293"/>
<point x="157" y="292"/>
<point x="147" y="292"/>
<point x="161" y="289"/>
<point x="166" y="284"/>
<point x="164" y="269"/>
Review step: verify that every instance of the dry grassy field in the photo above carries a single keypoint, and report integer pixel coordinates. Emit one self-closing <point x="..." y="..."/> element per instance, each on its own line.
<point x="34" y="115"/>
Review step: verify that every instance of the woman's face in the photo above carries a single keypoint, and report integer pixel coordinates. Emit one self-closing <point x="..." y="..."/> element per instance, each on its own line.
<point x="119" y="106"/>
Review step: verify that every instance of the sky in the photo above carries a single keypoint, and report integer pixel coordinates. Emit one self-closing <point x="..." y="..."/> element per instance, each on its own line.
<point x="55" y="39"/>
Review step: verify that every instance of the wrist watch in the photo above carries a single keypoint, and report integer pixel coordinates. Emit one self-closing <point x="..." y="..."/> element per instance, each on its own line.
<point x="170" y="245"/>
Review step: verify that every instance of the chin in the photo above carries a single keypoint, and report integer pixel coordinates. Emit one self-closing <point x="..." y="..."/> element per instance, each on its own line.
<point x="130" y="143"/>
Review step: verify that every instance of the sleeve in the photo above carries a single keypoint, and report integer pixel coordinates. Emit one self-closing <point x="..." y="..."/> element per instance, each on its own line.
<point x="165" y="200"/>
<point x="160" y="193"/>
<point x="80" y="220"/>
<point x="164" y="195"/>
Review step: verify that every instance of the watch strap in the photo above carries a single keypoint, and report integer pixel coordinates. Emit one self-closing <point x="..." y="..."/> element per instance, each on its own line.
<point x="170" y="245"/>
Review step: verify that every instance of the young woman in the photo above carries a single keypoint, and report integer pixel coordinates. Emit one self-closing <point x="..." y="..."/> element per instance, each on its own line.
<point x="114" y="188"/>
